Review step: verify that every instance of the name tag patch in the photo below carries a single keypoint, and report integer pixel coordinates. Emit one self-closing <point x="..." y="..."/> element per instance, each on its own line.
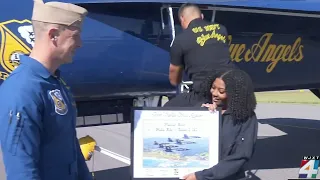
<point x="60" y="105"/>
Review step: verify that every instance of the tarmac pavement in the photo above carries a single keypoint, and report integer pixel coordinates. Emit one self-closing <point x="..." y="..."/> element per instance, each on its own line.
<point x="286" y="133"/>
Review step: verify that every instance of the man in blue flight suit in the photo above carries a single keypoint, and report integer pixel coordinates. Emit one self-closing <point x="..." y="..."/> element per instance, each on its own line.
<point x="38" y="113"/>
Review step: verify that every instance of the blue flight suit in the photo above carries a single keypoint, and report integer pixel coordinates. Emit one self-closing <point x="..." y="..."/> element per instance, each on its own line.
<point x="37" y="126"/>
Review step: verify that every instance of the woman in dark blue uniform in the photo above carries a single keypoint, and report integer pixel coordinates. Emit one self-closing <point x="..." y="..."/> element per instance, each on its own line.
<point x="234" y="92"/>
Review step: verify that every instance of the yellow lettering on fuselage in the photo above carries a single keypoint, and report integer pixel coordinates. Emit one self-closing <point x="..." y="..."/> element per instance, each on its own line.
<point x="265" y="52"/>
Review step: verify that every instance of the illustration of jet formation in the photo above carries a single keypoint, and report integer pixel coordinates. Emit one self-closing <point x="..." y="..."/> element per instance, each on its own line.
<point x="172" y="145"/>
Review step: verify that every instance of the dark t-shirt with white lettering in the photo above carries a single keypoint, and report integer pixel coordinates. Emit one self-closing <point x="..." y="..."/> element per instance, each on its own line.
<point x="201" y="49"/>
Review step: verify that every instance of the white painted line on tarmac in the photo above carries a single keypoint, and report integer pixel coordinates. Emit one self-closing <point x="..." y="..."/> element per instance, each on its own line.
<point x="113" y="155"/>
<point x="293" y="126"/>
<point x="267" y="130"/>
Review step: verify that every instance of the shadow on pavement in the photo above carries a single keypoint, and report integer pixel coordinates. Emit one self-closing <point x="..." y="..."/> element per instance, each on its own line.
<point x="122" y="173"/>
<point x="287" y="151"/>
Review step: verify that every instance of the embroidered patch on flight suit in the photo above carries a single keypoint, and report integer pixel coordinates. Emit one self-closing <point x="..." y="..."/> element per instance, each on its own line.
<point x="60" y="105"/>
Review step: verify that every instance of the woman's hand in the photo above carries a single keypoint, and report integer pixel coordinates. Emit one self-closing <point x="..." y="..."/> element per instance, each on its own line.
<point x="191" y="176"/>
<point x="211" y="107"/>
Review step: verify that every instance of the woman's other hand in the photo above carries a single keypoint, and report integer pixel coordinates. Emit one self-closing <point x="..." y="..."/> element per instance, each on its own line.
<point x="191" y="176"/>
<point x="211" y="107"/>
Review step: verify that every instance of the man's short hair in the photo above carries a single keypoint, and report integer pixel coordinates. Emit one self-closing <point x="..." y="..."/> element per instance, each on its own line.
<point x="40" y="27"/>
<point x="183" y="7"/>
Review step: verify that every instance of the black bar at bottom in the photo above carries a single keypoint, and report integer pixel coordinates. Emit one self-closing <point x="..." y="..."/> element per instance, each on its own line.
<point x="303" y="179"/>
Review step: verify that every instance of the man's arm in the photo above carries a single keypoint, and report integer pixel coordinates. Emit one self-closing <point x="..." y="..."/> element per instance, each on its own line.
<point x="176" y="63"/>
<point x="83" y="170"/>
<point x="175" y="74"/>
<point x="20" y="142"/>
<point x="232" y="164"/>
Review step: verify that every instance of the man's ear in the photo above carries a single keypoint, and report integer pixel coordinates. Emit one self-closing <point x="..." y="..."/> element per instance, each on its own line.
<point x="53" y="34"/>
<point x="181" y="19"/>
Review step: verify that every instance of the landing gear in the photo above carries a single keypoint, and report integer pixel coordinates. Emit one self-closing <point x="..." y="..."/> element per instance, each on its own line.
<point x="153" y="101"/>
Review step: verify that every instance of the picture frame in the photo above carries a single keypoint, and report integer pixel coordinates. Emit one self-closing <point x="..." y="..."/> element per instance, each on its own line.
<point x="170" y="142"/>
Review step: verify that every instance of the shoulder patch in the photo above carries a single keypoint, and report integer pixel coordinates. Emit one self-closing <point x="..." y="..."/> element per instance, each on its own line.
<point x="60" y="106"/>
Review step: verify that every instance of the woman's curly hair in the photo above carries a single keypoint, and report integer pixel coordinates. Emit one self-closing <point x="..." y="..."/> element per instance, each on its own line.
<point x="241" y="100"/>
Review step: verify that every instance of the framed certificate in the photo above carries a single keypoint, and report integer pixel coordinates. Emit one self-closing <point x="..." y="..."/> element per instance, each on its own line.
<point x="168" y="143"/>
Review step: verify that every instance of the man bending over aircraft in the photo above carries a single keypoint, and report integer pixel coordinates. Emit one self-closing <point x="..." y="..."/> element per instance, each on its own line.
<point x="200" y="49"/>
<point x="38" y="113"/>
